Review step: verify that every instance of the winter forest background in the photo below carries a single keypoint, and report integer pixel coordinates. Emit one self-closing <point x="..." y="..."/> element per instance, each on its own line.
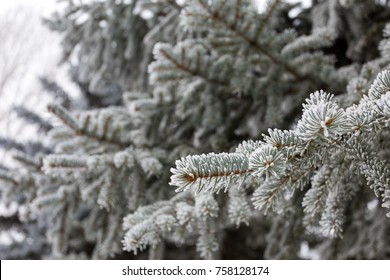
<point x="198" y="129"/>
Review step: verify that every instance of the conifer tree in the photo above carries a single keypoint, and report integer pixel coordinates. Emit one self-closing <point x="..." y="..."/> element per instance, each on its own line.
<point x="214" y="130"/>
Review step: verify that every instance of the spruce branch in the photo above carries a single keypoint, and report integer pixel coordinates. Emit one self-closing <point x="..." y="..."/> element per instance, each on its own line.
<point x="267" y="160"/>
<point x="333" y="216"/>
<point x="241" y="31"/>
<point x="273" y="191"/>
<point x="321" y="116"/>
<point x="65" y="117"/>
<point x="271" y="8"/>
<point x="247" y="147"/>
<point x="8" y="144"/>
<point x="213" y="171"/>
<point x="63" y="162"/>
<point x="28" y="160"/>
<point x="103" y="128"/>
<point x="239" y="209"/>
<point x="374" y="169"/>
<point x="33" y="118"/>
<point x="380" y="86"/>
<point x="319" y="39"/>
<point x="57" y="91"/>
<point x="222" y="72"/>
<point x="287" y="140"/>
<point x="188" y="59"/>
<point x="206" y="209"/>
<point x="6" y="176"/>
<point x="287" y="158"/>
<point x="149" y="224"/>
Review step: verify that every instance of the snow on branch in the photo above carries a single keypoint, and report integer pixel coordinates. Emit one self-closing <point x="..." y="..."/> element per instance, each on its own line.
<point x="286" y="160"/>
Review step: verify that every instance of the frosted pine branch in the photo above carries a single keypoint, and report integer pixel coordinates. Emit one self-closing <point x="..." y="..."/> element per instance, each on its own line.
<point x="213" y="171"/>
<point x="286" y="159"/>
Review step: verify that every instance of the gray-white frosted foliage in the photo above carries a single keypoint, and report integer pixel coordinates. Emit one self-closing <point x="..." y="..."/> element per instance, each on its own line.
<point x="198" y="79"/>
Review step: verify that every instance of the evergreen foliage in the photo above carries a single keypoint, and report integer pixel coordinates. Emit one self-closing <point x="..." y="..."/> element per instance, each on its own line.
<point x="175" y="90"/>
